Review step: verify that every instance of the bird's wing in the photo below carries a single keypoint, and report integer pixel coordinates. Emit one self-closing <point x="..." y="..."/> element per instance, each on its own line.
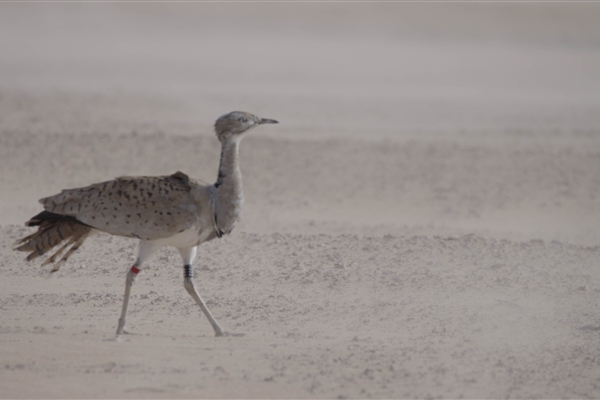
<point x="143" y="207"/>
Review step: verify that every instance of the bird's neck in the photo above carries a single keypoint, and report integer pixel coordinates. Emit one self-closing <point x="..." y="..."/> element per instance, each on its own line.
<point x="228" y="197"/>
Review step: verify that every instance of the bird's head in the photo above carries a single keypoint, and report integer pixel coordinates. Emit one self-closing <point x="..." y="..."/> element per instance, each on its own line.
<point x="236" y="123"/>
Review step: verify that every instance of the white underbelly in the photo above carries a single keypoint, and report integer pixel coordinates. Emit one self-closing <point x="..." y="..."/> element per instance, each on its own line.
<point x="187" y="238"/>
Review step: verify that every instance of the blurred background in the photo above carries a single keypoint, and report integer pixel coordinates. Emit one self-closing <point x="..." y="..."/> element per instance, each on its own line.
<point x="365" y="69"/>
<point x="458" y="116"/>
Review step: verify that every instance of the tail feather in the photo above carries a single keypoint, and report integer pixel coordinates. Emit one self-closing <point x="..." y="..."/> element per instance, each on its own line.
<point x="53" y="257"/>
<point x="53" y="229"/>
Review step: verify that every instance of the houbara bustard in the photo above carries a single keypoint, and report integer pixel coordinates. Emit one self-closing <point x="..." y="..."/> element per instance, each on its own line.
<point x="172" y="210"/>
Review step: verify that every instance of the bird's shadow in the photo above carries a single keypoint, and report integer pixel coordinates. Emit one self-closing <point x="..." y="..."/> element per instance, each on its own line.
<point x="121" y="337"/>
<point x="590" y="328"/>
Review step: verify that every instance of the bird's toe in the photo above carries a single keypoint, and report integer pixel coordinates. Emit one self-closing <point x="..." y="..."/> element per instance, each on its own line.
<point x="225" y="333"/>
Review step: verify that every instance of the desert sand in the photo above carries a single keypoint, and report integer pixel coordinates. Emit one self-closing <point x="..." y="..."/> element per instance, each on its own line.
<point x="424" y="222"/>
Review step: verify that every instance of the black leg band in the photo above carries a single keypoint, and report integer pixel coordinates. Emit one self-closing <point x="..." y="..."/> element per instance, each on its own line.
<point x="188" y="271"/>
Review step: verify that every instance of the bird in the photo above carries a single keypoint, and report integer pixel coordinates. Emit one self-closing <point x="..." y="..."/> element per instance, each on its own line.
<point x="173" y="210"/>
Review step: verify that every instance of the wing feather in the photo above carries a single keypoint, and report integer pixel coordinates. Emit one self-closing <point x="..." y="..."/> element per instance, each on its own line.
<point x="143" y="207"/>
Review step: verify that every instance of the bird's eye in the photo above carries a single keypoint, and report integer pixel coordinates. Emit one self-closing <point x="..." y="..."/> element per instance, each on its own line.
<point x="243" y="120"/>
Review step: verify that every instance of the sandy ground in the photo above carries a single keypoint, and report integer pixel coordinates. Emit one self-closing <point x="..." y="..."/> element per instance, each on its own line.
<point x="423" y="223"/>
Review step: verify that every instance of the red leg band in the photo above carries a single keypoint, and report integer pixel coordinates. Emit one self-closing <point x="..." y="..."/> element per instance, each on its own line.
<point x="135" y="270"/>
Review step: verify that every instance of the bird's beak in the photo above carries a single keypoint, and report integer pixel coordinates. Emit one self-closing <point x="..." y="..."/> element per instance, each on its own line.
<point x="268" y="121"/>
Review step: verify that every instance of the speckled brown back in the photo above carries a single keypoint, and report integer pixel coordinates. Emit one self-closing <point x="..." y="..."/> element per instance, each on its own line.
<point x="143" y="207"/>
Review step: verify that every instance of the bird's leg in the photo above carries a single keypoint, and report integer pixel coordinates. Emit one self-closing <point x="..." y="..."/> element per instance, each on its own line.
<point x="189" y="285"/>
<point x="129" y="280"/>
<point x="188" y="254"/>
<point x="146" y="249"/>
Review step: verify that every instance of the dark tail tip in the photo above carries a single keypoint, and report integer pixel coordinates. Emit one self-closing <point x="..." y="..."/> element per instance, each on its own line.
<point x="44" y="216"/>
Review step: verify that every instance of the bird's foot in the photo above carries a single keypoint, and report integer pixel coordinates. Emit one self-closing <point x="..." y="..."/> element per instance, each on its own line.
<point x="121" y="328"/>
<point x="225" y="333"/>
